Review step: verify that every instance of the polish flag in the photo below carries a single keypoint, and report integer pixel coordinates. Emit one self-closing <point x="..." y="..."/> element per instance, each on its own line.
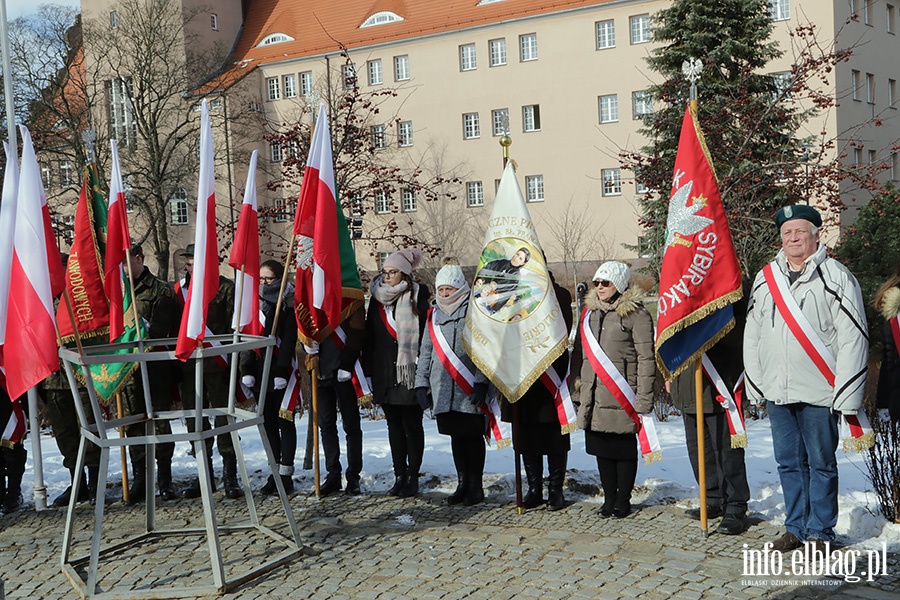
<point x="245" y="253"/>
<point x="7" y="233"/>
<point x="36" y="276"/>
<point x="205" y="277"/>
<point x="118" y="242"/>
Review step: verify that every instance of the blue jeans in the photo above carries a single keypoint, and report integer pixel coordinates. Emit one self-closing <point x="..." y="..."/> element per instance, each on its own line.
<point x="805" y="438"/>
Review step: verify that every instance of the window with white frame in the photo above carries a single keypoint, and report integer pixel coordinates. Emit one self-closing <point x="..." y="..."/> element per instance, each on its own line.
<point x="46" y="176"/>
<point x="113" y="20"/>
<point x="382" y="257"/>
<point x="782" y="82"/>
<point x="867" y="11"/>
<point x="275" y="151"/>
<point x="404" y="134"/>
<point x="609" y="108"/>
<point x="872" y="158"/>
<point x="121" y="112"/>
<point x="606" y="34"/>
<point x="289" y="82"/>
<point x="273" y="89"/>
<point x="467" y="57"/>
<point x="640" y="29"/>
<point x="534" y="188"/>
<point x="401" y="68"/>
<point x="500" y="121"/>
<point x="375" y="75"/>
<point x="66" y="173"/>
<point x="382" y="202"/>
<point x="641" y="104"/>
<point x="892" y="92"/>
<point x="379" y="139"/>
<point x="275" y="38"/>
<point x="895" y="167"/>
<point x="640" y="187"/>
<point x="214" y="21"/>
<point x="280" y="213"/>
<point x="471" y="127"/>
<point x="870" y="88"/>
<point x="178" y="207"/>
<point x="497" y="50"/>
<point x="857" y="157"/>
<point x="129" y="193"/>
<point x="612" y="182"/>
<point x="531" y="118"/>
<point x="474" y="193"/>
<point x="528" y="47"/>
<point x="408" y="200"/>
<point x="381" y="18"/>
<point x="855" y="83"/>
<point x="306" y="83"/>
<point x="889" y="17"/>
<point x="779" y="10"/>
<point x="349" y="73"/>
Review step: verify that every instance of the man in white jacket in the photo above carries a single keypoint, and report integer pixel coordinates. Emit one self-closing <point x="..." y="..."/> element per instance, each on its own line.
<point x="805" y="353"/>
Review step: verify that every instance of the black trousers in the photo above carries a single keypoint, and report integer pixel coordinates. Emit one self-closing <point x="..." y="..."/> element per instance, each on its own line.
<point x="66" y="432"/>
<point x="406" y="436"/>
<point x="281" y="433"/>
<point x="161" y="400"/>
<point x="334" y="396"/>
<point x="726" y="472"/>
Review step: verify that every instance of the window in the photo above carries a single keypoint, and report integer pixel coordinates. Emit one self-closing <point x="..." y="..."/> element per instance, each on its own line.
<point x="178" y="207"/>
<point x="471" y="128"/>
<point x="46" y="176"/>
<point x="306" y="83"/>
<point x="892" y="92"/>
<point x="375" y="77"/>
<point x="381" y="18"/>
<point x="534" y="188"/>
<point x="606" y="34"/>
<point x="889" y="18"/>
<point x="289" y="82"/>
<point x="612" y="182"/>
<point x="383" y="256"/>
<point x="273" y="89"/>
<point x="66" y="176"/>
<point x="498" y="52"/>
<point x="113" y="20"/>
<point x="855" y="83"/>
<point x="528" y="47"/>
<point x="500" y="121"/>
<point x="857" y="157"/>
<point x="474" y="193"/>
<point x="121" y="112"/>
<point x="467" y="57"/>
<point x="129" y="193"/>
<point x="401" y="68"/>
<point x="349" y="72"/>
<point x="379" y="140"/>
<point x="280" y="212"/>
<point x="870" y="88"/>
<point x="274" y="38"/>
<point x="609" y="108"/>
<point x="214" y="21"/>
<point x="382" y="202"/>
<point x="644" y="249"/>
<point x="408" y="200"/>
<point x="275" y="153"/>
<point x="641" y="104"/>
<point x="872" y="154"/>
<point x="404" y="134"/>
<point x="779" y="10"/>
<point x="640" y="187"/>
<point x="640" y="29"/>
<point x="531" y="118"/>
<point x="782" y="83"/>
<point x="867" y="10"/>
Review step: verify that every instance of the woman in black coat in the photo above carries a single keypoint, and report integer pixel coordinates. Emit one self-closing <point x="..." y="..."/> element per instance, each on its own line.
<point x="887" y="301"/>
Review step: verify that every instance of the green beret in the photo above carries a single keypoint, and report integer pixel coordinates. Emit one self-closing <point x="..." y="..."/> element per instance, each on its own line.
<point x="798" y="211"/>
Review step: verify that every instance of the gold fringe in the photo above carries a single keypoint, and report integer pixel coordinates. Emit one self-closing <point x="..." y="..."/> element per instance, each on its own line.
<point x="652" y="457"/>
<point x="739" y="440"/>
<point x="852" y="444"/>
<point x="702" y="139"/>
<point x="567" y="429"/>
<point x="126" y="377"/>
<point x="513" y="394"/>
<point x="287" y="415"/>
<point x="102" y="331"/>
<point x="7" y="444"/>
<point x="504" y="443"/>
<point x="364" y="401"/>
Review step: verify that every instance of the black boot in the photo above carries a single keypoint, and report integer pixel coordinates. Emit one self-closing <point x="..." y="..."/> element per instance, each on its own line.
<point x="83" y="492"/>
<point x="15" y="470"/>
<point x="411" y="487"/>
<point x="269" y="487"/>
<point x="193" y="490"/>
<point x="164" y="480"/>
<point x="556" y="465"/>
<point x="138" y="488"/>
<point x="534" y="474"/>
<point x="399" y="484"/>
<point x="461" y="488"/>
<point x="474" y="492"/>
<point x="92" y="479"/>
<point x="230" y="482"/>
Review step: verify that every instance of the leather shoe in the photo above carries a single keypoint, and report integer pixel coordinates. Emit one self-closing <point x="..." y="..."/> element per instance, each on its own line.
<point x="352" y="488"/>
<point x="733" y="524"/>
<point x="622" y="511"/>
<point x="787" y="542"/>
<point x="712" y="512"/>
<point x="331" y="486"/>
<point x="399" y="484"/>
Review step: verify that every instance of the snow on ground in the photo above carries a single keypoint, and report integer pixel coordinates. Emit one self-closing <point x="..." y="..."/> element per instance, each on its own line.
<point x="667" y="481"/>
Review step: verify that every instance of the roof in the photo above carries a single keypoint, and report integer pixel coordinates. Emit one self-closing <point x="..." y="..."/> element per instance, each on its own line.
<point x="326" y="26"/>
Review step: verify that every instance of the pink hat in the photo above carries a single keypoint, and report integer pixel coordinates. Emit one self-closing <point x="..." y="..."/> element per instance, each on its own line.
<point x="406" y="260"/>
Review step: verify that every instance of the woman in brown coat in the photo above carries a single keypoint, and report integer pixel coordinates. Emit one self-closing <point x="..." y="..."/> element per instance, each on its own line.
<point x="624" y="330"/>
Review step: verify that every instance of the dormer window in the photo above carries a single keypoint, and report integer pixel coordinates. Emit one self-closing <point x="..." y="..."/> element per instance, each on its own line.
<point x="275" y="38"/>
<point x="381" y="18"/>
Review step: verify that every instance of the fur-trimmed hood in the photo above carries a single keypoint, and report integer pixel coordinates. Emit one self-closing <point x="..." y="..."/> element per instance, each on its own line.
<point x="890" y="303"/>
<point x="628" y="302"/>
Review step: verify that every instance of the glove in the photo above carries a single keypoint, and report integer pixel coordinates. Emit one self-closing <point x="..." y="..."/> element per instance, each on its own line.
<point x="885" y="415"/>
<point x="311" y="350"/>
<point x="248" y="380"/>
<point x="479" y="394"/>
<point x="422" y="398"/>
<point x="343" y="375"/>
<point x="279" y="383"/>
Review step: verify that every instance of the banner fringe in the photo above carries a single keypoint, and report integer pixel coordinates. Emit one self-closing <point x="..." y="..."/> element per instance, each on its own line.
<point x="652" y="457"/>
<point x="852" y="444"/>
<point x="739" y="440"/>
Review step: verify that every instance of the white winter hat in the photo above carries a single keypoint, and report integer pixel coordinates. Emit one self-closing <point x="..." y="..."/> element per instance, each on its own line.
<point x="616" y="273"/>
<point x="451" y="275"/>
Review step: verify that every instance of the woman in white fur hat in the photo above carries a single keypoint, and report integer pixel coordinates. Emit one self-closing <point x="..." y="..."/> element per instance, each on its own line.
<point x="395" y="322"/>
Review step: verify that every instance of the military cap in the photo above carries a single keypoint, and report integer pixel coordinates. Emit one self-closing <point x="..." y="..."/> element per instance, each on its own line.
<point x="798" y="211"/>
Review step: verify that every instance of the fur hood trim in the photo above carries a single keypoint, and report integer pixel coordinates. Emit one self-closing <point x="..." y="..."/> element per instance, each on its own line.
<point x="890" y="303"/>
<point x="627" y="303"/>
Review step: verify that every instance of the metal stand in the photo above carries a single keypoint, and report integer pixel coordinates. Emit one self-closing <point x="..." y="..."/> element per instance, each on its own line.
<point x="97" y="433"/>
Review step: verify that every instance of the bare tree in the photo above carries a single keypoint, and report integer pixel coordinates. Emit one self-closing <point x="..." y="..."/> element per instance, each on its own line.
<point x="577" y="239"/>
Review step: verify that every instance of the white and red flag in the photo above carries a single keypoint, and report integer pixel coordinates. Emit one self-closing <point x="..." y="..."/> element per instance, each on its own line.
<point x="245" y="255"/>
<point x="7" y="233"/>
<point x="204" y="283"/>
<point x="36" y="276"/>
<point x="118" y="242"/>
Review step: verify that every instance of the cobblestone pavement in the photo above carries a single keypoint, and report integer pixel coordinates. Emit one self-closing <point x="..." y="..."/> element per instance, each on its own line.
<point x="373" y="546"/>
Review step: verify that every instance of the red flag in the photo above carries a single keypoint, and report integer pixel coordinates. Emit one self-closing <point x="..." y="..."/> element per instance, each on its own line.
<point x="7" y="235"/>
<point x="245" y="253"/>
<point x="118" y="242"/>
<point x="318" y="288"/>
<point x="205" y="277"/>
<point x="36" y="276"/>
<point x="700" y="277"/>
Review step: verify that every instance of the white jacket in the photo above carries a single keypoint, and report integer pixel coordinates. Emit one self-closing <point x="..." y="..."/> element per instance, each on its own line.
<point x="778" y="369"/>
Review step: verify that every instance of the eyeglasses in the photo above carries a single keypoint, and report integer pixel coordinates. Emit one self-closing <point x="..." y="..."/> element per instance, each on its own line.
<point x="390" y="273"/>
<point x="264" y="279"/>
<point x="602" y="283"/>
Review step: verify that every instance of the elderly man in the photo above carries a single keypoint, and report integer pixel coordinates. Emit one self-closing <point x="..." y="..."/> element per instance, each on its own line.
<point x="805" y="353"/>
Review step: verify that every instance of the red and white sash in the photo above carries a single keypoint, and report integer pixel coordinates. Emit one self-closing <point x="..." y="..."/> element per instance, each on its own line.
<point x="358" y="378"/>
<point x="453" y="364"/>
<point x="495" y="427"/>
<point x="607" y="372"/>
<point x="895" y="331"/>
<point x="292" y="394"/>
<point x="858" y="432"/>
<point x="562" y="399"/>
<point x="730" y="401"/>
<point x="387" y="317"/>
<point x="15" y="426"/>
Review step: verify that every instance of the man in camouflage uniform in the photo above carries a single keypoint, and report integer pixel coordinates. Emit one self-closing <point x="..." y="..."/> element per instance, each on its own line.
<point x="158" y="308"/>
<point x="215" y="380"/>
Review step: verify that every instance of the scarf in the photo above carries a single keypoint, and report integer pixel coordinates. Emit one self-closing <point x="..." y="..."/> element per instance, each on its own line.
<point x="452" y="303"/>
<point x="268" y="298"/>
<point x="400" y="298"/>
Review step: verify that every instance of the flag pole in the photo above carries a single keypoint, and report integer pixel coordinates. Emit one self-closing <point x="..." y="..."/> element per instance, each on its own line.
<point x="7" y="81"/>
<point x="232" y="375"/>
<point x="126" y="496"/>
